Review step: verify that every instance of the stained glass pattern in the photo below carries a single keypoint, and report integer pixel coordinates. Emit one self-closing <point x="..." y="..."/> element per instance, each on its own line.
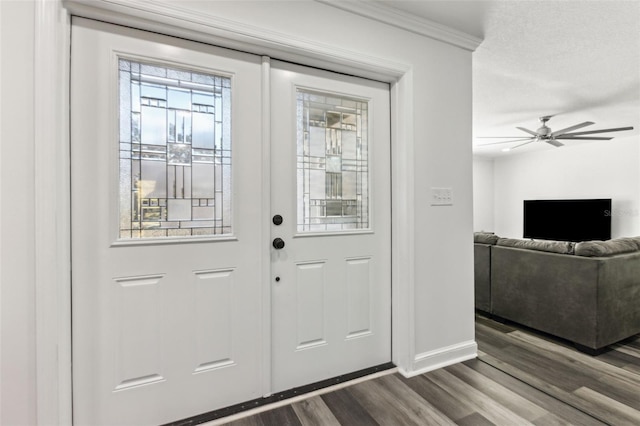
<point x="332" y="165"/>
<point x="175" y="152"/>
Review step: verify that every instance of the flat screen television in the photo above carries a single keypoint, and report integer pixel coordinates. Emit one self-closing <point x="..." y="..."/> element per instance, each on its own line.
<point x="568" y="220"/>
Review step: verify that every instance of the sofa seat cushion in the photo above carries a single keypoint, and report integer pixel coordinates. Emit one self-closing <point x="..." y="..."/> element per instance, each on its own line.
<point x="561" y="247"/>
<point x="607" y="248"/>
<point x="485" y="238"/>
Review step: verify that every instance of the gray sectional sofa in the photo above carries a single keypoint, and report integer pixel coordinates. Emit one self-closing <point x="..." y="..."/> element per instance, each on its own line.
<point x="587" y="293"/>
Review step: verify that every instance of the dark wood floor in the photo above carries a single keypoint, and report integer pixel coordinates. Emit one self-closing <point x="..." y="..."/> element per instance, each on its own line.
<point x="520" y="378"/>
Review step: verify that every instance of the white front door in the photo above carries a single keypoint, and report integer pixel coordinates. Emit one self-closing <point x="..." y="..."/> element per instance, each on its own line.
<point x="330" y="153"/>
<point x="169" y="226"/>
<point x="166" y="226"/>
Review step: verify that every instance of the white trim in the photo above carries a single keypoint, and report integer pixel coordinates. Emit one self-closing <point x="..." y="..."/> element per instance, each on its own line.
<point x="53" y="314"/>
<point x="266" y="227"/>
<point x="442" y="357"/>
<point x="1" y="285"/>
<point x="172" y="19"/>
<point x="52" y="213"/>
<point x="405" y="21"/>
<point x="402" y="225"/>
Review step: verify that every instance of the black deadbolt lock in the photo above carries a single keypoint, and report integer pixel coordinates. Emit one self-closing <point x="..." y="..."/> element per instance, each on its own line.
<point x="278" y="243"/>
<point x="277" y="220"/>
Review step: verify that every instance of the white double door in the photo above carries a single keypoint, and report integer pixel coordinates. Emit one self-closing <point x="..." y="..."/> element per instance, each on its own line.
<point x="187" y="294"/>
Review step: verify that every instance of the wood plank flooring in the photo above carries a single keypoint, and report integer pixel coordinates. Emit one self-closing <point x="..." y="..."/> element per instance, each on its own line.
<point x="519" y="378"/>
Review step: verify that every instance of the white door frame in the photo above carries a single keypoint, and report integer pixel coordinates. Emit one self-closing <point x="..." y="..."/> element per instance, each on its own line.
<point x="52" y="178"/>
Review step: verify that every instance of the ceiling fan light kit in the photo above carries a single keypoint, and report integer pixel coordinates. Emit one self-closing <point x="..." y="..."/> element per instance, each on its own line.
<point x="546" y="135"/>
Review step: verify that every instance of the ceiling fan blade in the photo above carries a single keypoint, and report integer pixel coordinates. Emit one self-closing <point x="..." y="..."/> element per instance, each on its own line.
<point x="497" y="143"/>
<point x="590" y="132"/>
<point x="531" y="132"/>
<point x="568" y="129"/>
<point x="582" y="138"/>
<point x="498" y="137"/>
<point x="554" y="143"/>
<point x="518" y="146"/>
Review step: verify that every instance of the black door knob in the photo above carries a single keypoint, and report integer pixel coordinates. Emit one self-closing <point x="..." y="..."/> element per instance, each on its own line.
<point x="278" y="243"/>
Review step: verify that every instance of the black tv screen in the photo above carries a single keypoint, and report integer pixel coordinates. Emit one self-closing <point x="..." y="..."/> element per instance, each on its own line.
<point x="568" y="220"/>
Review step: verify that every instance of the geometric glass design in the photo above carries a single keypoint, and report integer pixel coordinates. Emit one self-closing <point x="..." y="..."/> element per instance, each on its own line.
<point x="333" y="162"/>
<point x="175" y="152"/>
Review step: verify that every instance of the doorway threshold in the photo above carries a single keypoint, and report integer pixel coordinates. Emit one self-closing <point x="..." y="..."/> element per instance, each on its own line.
<point x="286" y="397"/>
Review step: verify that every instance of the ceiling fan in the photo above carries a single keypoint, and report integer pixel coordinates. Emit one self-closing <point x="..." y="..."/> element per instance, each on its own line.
<point x="545" y="134"/>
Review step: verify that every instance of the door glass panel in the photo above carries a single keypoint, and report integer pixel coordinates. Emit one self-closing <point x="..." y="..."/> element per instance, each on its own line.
<point x="333" y="166"/>
<point x="175" y="152"/>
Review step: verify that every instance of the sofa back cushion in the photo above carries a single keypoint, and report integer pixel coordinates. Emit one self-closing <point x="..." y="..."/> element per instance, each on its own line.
<point x="562" y="247"/>
<point x="485" y="238"/>
<point x="607" y="248"/>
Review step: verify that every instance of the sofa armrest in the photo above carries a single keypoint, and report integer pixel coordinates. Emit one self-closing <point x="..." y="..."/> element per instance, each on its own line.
<point x="482" y="276"/>
<point x="618" y="298"/>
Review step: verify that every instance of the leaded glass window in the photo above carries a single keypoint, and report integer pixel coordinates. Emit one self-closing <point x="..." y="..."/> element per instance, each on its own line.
<point x="333" y="162"/>
<point x="175" y="152"/>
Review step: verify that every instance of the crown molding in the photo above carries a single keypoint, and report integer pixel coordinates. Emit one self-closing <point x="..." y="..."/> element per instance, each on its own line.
<point x="405" y="21"/>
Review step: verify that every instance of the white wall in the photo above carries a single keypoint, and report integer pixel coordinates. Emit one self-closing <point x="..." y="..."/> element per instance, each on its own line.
<point x="440" y="133"/>
<point x="17" y="368"/>
<point x="607" y="169"/>
<point x="442" y="158"/>
<point x="483" y="197"/>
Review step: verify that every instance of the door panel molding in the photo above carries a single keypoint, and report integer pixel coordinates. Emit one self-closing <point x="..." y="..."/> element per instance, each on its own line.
<point x="211" y="297"/>
<point x="52" y="180"/>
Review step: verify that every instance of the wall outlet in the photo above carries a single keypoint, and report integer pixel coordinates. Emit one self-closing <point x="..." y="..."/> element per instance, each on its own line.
<point x="441" y="196"/>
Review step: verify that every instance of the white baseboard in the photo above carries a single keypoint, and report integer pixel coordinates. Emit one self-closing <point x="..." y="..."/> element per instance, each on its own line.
<point x="432" y="360"/>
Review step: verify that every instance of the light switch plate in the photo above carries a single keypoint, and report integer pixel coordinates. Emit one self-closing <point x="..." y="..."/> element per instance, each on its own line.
<point x="441" y="196"/>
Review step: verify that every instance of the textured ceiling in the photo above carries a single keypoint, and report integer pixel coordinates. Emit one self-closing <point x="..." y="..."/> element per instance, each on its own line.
<point x="577" y="60"/>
